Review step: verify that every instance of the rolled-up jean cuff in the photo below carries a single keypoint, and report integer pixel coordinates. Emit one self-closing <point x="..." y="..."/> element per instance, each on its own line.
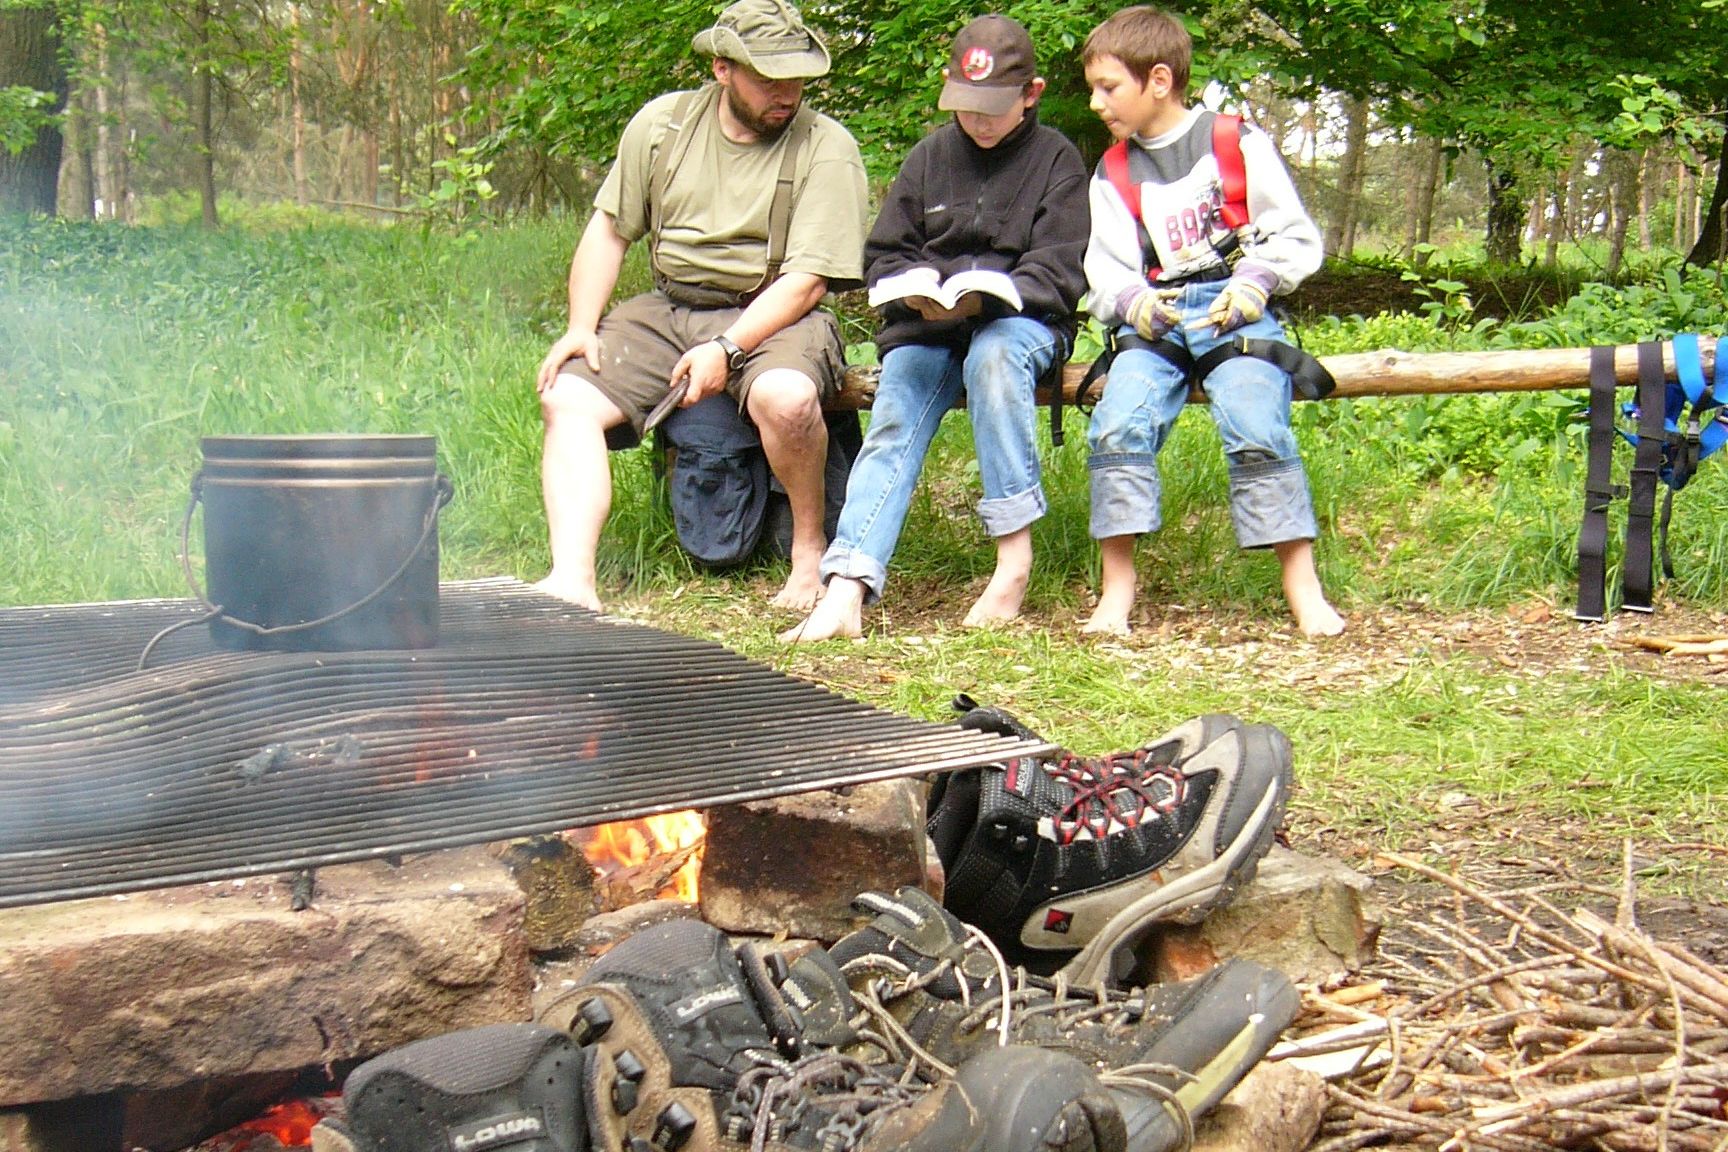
<point x="1011" y="513"/>
<point x="842" y="560"/>
<point x="1125" y="495"/>
<point x="1270" y="504"/>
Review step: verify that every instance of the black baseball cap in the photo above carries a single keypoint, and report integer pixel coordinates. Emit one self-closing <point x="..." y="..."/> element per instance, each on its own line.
<point x="990" y="66"/>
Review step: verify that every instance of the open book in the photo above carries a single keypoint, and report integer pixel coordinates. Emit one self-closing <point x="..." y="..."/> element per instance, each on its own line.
<point x="927" y="282"/>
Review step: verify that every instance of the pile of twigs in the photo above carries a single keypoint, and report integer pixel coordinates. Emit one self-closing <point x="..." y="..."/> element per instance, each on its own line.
<point x="1513" y="1025"/>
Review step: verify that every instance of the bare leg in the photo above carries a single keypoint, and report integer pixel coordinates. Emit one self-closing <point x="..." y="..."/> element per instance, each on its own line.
<point x="788" y="417"/>
<point x="840" y="612"/>
<point x="1000" y="600"/>
<point x="1116" y="598"/>
<point x="576" y="484"/>
<point x="1315" y="616"/>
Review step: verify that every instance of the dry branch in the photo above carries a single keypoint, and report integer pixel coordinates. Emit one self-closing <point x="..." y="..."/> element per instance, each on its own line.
<point x="1516" y="1026"/>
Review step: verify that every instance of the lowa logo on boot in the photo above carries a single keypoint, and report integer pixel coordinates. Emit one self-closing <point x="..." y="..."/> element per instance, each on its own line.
<point x="498" y="1132"/>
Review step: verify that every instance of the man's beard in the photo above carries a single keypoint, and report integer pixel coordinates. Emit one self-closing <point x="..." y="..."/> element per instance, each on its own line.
<point x="766" y="131"/>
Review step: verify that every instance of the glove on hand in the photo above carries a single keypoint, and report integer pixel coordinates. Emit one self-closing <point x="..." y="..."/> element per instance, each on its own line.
<point x="1153" y="312"/>
<point x="1242" y="301"/>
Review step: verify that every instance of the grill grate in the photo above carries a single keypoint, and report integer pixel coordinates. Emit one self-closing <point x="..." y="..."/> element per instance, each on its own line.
<point x="531" y="716"/>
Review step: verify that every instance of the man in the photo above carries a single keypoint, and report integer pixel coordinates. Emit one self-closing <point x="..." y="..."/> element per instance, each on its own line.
<point x="696" y="176"/>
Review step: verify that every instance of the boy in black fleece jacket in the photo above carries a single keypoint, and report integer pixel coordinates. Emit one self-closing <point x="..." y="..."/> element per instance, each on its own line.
<point x="993" y="189"/>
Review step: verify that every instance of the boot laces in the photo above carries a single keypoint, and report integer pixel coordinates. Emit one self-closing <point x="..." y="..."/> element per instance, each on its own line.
<point x="1114" y="792"/>
<point x="837" y="1098"/>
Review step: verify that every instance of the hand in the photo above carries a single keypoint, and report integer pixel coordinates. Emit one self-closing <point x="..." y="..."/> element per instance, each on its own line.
<point x="705" y="366"/>
<point x="1242" y="301"/>
<point x="969" y="305"/>
<point x="1153" y="312"/>
<point x="576" y="342"/>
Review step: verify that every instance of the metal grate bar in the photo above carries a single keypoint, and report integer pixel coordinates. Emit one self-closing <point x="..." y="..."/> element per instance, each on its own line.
<point x="530" y="716"/>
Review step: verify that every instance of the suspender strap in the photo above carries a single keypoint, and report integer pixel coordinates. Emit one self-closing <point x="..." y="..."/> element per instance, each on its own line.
<point x="1598" y="491"/>
<point x="680" y="131"/>
<point x="687" y="116"/>
<point x="1646" y="468"/>
<point x="780" y="208"/>
<point x="1116" y="171"/>
<point x="1232" y="172"/>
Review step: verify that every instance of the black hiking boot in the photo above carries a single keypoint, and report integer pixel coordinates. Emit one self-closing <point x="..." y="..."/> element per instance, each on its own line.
<point x="693" y="1048"/>
<point x="935" y="991"/>
<point x="504" y="1085"/>
<point x="1067" y="862"/>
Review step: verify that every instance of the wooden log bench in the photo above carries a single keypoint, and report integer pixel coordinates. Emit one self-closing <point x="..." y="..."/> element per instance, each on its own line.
<point x="1393" y="373"/>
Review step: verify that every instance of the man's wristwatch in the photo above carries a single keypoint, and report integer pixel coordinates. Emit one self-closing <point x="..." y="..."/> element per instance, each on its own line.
<point x="735" y="356"/>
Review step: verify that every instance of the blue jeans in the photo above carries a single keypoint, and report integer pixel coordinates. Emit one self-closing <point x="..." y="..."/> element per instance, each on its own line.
<point x="1250" y="403"/>
<point x="919" y="384"/>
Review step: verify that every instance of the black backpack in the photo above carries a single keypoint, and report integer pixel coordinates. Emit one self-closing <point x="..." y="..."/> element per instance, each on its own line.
<point x="726" y="505"/>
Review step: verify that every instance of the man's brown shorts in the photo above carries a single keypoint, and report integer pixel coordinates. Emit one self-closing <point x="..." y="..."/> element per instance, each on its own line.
<point x="642" y="339"/>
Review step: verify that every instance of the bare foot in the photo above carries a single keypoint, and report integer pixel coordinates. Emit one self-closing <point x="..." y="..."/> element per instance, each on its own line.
<point x="840" y="612"/>
<point x="998" y="603"/>
<point x="578" y="592"/>
<point x="1106" y="623"/>
<point x="804" y="584"/>
<point x="1315" y="617"/>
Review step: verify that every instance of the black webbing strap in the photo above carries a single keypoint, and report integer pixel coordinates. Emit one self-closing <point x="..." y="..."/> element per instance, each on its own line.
<point x="1646" y="469"/>
<point x="1308" y="376"/>
<point x="1599" y="491"/>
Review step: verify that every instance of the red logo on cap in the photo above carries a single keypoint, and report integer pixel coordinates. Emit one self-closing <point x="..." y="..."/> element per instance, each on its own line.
<point x="977" y="64"/>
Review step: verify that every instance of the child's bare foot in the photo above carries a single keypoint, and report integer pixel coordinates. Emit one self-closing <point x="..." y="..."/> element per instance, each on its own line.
<point x="1116" y="597"/>
<point x="1001" y="599"/>
<point x="1315" y="617"/>
<point x="1106" y="624"/>
<point x="840" y="612"/>
<point x="1314" y="614"/>
<point x="578" y="592"/>
<point x="996" y="605"/>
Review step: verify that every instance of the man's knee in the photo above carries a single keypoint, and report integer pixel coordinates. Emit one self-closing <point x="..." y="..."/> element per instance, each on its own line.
<point x="787" y="404"/>
<point x="575" y="401"/>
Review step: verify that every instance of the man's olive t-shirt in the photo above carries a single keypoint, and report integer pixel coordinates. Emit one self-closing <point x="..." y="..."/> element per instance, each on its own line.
<point x="715" y="220"/>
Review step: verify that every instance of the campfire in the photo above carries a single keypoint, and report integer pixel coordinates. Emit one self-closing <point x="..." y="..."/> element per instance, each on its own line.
<point x="657" y="856"/>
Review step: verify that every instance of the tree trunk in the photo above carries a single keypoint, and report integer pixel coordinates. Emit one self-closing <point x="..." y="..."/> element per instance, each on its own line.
<point x="1712" y="243"/>
<point x="1427" y="188"/>
<point x="78" y="169"/>
<point x="302" y="193"/>
<point x="1648" y="176"/>
<point x="1341" y="229"/>
<point x="1684" y="205"/>
<point x="1504" y="243"/>
<point x="107" y="191"/>
<point x="1621" y="169"/>
<point x="30" y="58"/>
<point x="203" y="116"/>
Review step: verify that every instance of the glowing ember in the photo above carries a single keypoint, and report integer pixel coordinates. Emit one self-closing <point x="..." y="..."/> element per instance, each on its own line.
<point x="289" y="1123"/>
<point x="632" y="843"/>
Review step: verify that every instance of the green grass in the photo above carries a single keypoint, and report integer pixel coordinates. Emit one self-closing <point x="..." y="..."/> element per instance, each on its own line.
<point x="120" y="347"/>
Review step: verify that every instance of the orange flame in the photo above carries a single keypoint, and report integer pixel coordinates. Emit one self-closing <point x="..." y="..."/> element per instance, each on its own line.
<point x="630" y="843"/>
<point x="290" y="1123"/>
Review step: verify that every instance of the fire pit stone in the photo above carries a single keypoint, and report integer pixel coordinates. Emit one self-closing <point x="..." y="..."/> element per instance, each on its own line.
<point x="792" y="865"/>
<point x="162" y="989"/>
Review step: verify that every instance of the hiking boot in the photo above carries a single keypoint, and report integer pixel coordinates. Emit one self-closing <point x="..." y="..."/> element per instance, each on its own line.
<point x="1067" y="862"/>
<point x="503" y="1084"/>
<point x="935" y="991"/>
<point x="693" y="1049"/>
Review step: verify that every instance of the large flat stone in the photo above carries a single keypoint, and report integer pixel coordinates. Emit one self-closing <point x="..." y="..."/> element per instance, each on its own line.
<point x="1309" y="917"/>
<point x="792" y="865"/>
<point x="161" y="989"/>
